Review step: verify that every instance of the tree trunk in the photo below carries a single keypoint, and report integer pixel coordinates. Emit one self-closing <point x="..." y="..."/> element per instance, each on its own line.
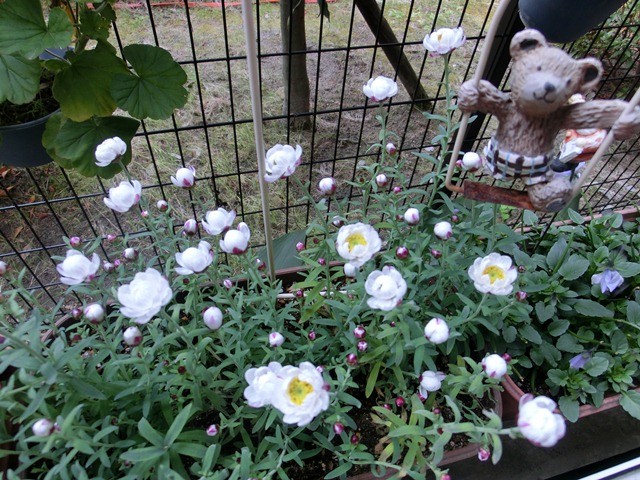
<point x="294" y="63"/>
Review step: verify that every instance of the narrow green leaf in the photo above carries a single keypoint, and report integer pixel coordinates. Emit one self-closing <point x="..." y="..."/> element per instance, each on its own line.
<point x="150" y="433"/>
<point x="371" y="381"/>
<point x="176" y="427"/>
<point x="142" y="454"/>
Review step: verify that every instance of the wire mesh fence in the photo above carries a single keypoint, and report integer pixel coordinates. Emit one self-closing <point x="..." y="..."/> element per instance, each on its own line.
<point x="214" y="133"/>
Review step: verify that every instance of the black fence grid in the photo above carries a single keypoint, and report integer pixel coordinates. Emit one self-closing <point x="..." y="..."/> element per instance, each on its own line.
<point x="214" y="132"/>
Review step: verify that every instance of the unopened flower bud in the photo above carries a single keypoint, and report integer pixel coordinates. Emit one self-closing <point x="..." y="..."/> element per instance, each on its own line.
<point x="327" y="186"/>
<point x="359" y="332"/>
<point x="299" y="293"/>
<point x="397" y="189"/>
<point x="381" y="180"/>
<point x="455" y="218"/>
<point x="132" y="336"/>
<point x="260" y="264"/>
<point x="212" y="430"/>
<point x="521" y="296"/>
<point x="75" y="241"/>
<point x="190" y="227"/>
<point x="471" y="161"/>
<point x="111" y="237"/>
<point x="94" y="312"/>
<point x="436" y="253"/>
<point x="117" y="262"/>
<point x="130" y="254"/>
<point x="507" y="357"/>
<point x="436" y="411"/>
<point x="43" y="427"/>
<point x="386" y="406"/>
<point x="400" y="402"/>
<point x="412" y="216"/>
<point x="402" y="253"/>
<point x="350" y="270"/>
<point x="338" y="428"/>
<point x="162" y="205"/>
<point x="355" y="439"/>
<point x="443" y="230"/>
<point x="76" y="313"/>
<point x="494" y="365"/>
<point x="362" y="346"/>
<point x="144" y="213"/>
<point x="522" y="268"/>
<point x="276" y="339"/>
<point x="212" y="317"/>
<point x="436" y="331"/>
<point x="336" y="222"/>
<point x="227" y="283"/>
<point x="446" y="476"/>
<point x="352" y="359"/>
<point x="299" y="246"/>
<point x="108" y="267"/>
<point x="312" y="335"/>
<point x="391" y="148"/>
<point x="322" y="261"/>
<point x="484" y="454"/>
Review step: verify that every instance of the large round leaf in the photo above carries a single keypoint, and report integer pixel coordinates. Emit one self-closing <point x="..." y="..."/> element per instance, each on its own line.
<point x="83" y="89"/>
<point x="156" y="88"/>
<point x="19" y="78"/>
<point x="24" y="30"/>
<point x="73" y="144"/>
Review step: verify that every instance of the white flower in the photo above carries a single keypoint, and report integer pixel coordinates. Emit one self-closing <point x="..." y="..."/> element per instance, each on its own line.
<point x="327" y="186"/>
<point x="212" y="317"/>
<point x="380" y="88"/>
<point x="94" y="312"/>
<point x="494" y="365"/>
<point x="443" y="230"/>
<point x="301" y="395"/>
<point x="124" y="196"/>
<point x="109" y="150"/>
<point x="350" y="270"/>
<point x="391" y="148"/>
<point x="212" y="430"/>
<point x="43" y="427"/>
<point x="76" y="268"/>
<point x="281" y="161"/>
<point x="275" y="339"/>
<point x="357" y="243"/>
<point x="538" y="423"/>
<point x="194" y="260"/>
<point x="143" y="298"/>
<point x="471" y="161"/>
<point x="494" y="273"/>
<point x="262" y="382"/>
<point x="130" y="253"/>
<point x="430" y="382"/>
<point x="185" y="177"/>
<point x="132" y="336"/>
<point x="412" y="216"/>
<point x="386" y="287"/>
<point x="218" y="221"/>
<point x="236" y="242"/>
<point x="436" y="331"/>
<point x="608" y="280"/>
<point x="190" y="227"/>
<point x="381" y="180"/>
<point x="443" y="40"/>
<point x="162" y="205"/>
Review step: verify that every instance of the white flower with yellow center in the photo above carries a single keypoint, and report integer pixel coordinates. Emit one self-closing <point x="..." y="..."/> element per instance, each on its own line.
<point x="357" y="243"/>
<point x="443" y="41"/>
<point x="494" y="273"/>
<point x="302" y="394"/>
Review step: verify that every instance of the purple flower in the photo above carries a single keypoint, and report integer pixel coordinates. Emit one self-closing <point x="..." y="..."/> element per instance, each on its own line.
<point x="608" y="280"/>
<point x="580" y="360"/>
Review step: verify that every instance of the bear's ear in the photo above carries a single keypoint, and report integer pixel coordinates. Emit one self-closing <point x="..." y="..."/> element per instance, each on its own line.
<point x="591" y="70"/>
<point x="526" y="41"/>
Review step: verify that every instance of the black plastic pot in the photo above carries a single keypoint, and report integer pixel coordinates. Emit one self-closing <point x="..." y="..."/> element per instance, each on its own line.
<point x="564" y="21"/>
<point x="21" y="145"/>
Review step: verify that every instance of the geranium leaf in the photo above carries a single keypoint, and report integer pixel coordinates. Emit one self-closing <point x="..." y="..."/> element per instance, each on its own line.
<point x="556" y="252"/>
<point x="72" y="144"/>
<point x="570" y="408"/>
<point x="24" y="30"/>
<point x="574" y="267"/>
<point x="83" y="89"/>
<point x="155" y="89"/>
<point x="596" y="366"/>
<point x="19" y="78"/>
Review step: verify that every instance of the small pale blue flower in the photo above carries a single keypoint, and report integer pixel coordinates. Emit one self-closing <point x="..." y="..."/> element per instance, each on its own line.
<point x="608" y="280"/>
<point x="580" y="360"/>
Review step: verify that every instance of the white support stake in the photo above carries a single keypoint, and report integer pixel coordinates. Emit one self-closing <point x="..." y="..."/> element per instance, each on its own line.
<point x="256" y="110"/>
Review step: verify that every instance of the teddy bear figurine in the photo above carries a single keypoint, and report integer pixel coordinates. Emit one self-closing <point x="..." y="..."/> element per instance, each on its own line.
<point x="543" y="78"/>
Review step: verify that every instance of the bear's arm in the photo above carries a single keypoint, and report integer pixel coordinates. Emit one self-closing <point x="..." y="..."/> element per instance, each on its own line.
<point x="592" y="114"/>
<point x="484" y="98"/>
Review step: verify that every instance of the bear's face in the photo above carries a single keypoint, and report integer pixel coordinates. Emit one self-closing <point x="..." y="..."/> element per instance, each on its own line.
<point x="543" y="77"/>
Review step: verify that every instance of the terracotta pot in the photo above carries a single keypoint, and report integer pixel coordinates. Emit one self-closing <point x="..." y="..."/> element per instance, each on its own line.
<point x="514" y="393"/>
<point x="450" y="456"/>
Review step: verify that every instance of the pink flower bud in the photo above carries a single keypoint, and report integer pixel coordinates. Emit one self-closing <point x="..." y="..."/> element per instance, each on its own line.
<point x="397" y="189"/>
<point x="212" y="430"/>
<point x="190" y="227"/>
<point x="299" y="293"/>
<point x="111" y="237"/>
<point x="402" y="253"/>
<point x="381" y="180"/>
<point x="94" y="312"/>
<point x="312" y="335"/>
<point x="446" y="476"/>
<point x="162" y="205"/>
<point x="322" y="261"/>
<point x="359" y="332"/>
<point x="436" y="331"/>
<point x="443" y="230"/>
<point x="507" y="357"/>
<point x="455" y="218"/>
<point x="260" y="264"/>
<point x="352" y="359"/>
<point x="391" y="148"/>
<point x="276" y="339"/>
<point x="299" y="246"/>
<point x="75" y="241"/>
<point x="362" y="346"/>
<point x="338" y="428"/>
<point x="436" y="411"/>
<point x="327" y="186"/>
<point x="43" y="427"/>
<point x="355" y="439"/>
<point x="522" y="268"/>
<point x="117" y="262"/>
<point x="132" y="336"/>
<point x="399" y="402"/>
<point x="144" y="213"/>
<point x="386" y="406"/>
<point x="108" y="267"/>
<point x="227" y="283"/>
<point x="484" y="454"/>
<point x="436" y="253"/>
<point x="521" y="296"/>
<point x="336" y="222"/>
<point x="471" y="161"/>
<point x="494" y="365"/>
<point x="130" y="254"/>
